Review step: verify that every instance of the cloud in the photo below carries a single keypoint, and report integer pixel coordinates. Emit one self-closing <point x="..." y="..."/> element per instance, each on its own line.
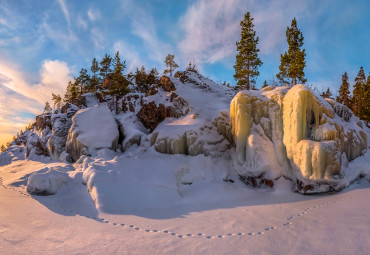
<point x="93" y="14"/>
<point x="143" y="26"/>
<point x="21" y="100"/>
<point x="65" y="11"/>
<point x="211" y="28"/>
<point x="130" y="54"/>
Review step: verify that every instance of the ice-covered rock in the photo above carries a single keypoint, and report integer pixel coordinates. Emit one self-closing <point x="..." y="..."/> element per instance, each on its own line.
<point x="46" y="183"/>
<point x="294" y="133"/>
<point x="257" y="127"/>
<point x="315" y="137"/>
<point x="189" y="136"/>
<point x="92" y="129"/>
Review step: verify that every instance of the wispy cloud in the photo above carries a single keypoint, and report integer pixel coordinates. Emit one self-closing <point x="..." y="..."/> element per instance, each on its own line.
<point x="19" y="99"/>
<point x="93" y="14"/>
<point x="211" y="28"/>
<point x="65" y="11"/>
<point x="143" y="25"/>
<point x="130" y="53"/>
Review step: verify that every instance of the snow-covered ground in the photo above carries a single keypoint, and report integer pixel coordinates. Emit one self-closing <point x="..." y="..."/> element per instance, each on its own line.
<point x="144" y="208"/>
<point x="177" y="189"/>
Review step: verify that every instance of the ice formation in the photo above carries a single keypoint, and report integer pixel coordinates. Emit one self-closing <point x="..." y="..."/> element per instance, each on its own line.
<point x="92" y="129"/>
<point x="294" y="133"/>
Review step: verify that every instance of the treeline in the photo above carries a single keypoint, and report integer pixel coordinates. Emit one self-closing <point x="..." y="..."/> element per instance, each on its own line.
<point x="108" y="78"/>
<point x="359" y="100"/>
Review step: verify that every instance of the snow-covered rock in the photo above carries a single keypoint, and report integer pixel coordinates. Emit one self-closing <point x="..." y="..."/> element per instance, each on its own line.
<point x="37" y="143"/>
<point x="46" y="183"/>
<point x="132" y="129"/>
<point x="189" y="136"/>
<point x="92" y="129"/>
<point x="13" y="153"/>
<point x="57" y="141"/>
<point x="294" y="133"/>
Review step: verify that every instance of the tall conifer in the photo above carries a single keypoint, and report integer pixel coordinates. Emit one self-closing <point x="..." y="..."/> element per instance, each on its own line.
<point x="358" y="92"/>
<point x="247" y="60"/>
<point x="344" y="94"/>
<point x="293" y="61"/>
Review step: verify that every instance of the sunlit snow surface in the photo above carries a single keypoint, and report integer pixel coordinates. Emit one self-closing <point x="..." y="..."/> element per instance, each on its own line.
<point x="145" y="202"/>
<point x="145" y="205"/>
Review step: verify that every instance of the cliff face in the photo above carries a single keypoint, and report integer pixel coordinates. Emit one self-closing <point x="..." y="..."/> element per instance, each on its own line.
<point x="294" y="133"/>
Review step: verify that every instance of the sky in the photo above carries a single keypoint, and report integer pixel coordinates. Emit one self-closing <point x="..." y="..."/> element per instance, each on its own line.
<point x="44" y="44"/>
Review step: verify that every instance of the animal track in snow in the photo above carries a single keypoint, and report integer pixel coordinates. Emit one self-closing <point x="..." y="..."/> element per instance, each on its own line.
<point x="199" y="234"/>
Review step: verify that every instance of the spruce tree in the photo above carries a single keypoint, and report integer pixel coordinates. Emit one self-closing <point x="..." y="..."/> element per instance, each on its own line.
<point x="344" y="93"/>
<point x="247" y="60"/>
<point x="105" y="66"/>
<point x="327" y="93"/>
<point x="83" y="80"/>
<point x="170" y="64"/>
<point x="293" y="61"/>
<point x="47" y="108"/>
<point x="71" y="92"/>
<point x="264" y="84"/>
<point x="365" y="113"/>
<point x="120" y="83"/>
<point x="358" y="92"/>
<point x="94" y="82"/>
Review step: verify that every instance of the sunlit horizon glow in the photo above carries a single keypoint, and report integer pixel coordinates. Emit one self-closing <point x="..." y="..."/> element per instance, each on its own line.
<point x="43" y="44"/>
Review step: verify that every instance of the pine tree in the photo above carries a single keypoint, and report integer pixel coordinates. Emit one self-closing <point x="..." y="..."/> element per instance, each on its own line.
<point x="105" y="66"/>
<point x="170" y="64"/>
<point x="327" y="94"/>
<point x="47" y="108"/>
<point x="358" y="92"/>
<point x="120" y="83"/>
<point x="83" y="80"/>
<point x="3" y="148"/>
<point x="264" y="84"/>
<point x="191" y="68"/>
<point x="293" y="61"/>
<point x="344" y="93"/>
<point x="141" y="79"/>
<point x="247" y="60"/>
<point x="94" y="82"/>
<point x="57" y="100"/>
<point x="365" y="113"/>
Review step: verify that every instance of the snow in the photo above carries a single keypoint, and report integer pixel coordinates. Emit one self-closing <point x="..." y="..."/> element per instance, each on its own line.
<point x="178" y="190"/>
<point x="145" y="205"/>
<point x="46" y="183"/>
<point x="92" y="128"/>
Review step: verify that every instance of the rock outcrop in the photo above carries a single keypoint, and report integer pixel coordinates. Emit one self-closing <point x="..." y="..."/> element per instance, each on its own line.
<point x="60" y="128"/>
<point x="43" y="121"/>
<point x="151" y="115"/>
<point x="166" y="84"/>
<point x="92" y="129"/>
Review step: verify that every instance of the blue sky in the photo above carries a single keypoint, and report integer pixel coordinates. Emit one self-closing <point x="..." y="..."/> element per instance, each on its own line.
<point x="44" y="43"/>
